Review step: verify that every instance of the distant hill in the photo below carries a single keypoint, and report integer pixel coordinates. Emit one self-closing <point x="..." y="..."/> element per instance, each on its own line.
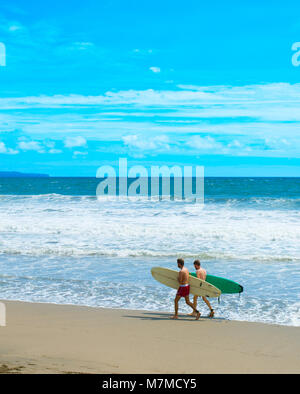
<point x="14" y="174"/>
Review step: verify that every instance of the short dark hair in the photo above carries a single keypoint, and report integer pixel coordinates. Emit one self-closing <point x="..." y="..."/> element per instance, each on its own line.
<point x="197" y="263"/>
<point x="180" y="261"/>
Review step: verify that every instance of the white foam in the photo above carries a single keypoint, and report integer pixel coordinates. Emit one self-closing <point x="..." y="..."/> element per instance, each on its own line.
<point x="52" y="247"/>
<point x="87" y="227"/>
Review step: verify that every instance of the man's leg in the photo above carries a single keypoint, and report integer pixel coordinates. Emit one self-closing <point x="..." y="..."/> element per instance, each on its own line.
<point x="177" y="298"/>
<point x="195" y="305"/>
<point x="188" y="302"/>
<point x="210" y="308"/>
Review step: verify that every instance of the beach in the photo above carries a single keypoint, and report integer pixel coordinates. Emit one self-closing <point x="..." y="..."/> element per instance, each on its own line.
<point x="80" y="268"/>
<point x="50" y="338"/>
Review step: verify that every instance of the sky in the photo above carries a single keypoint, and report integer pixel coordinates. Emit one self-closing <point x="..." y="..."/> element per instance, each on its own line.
<point x="215" y="84"/>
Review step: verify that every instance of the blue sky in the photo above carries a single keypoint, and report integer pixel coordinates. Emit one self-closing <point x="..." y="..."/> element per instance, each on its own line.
<point x="165" y="82"/>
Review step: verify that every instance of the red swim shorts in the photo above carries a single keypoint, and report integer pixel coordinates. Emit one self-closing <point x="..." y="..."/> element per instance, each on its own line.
<point x="183" y="291"/>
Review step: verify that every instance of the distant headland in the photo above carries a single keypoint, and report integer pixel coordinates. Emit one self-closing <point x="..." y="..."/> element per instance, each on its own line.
<point x="15" y="174"/>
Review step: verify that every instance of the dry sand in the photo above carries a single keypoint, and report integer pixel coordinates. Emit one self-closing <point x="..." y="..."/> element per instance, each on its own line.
<point x="47" y="338"/>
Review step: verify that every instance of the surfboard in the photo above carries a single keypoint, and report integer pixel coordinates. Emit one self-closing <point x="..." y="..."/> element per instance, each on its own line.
<point x="226" y="286"/>
<point x="198" y="287"/>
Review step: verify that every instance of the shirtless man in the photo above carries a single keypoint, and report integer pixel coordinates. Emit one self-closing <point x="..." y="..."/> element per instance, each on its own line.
<point x="184" y="289"/>
<point x="201" y="274"/>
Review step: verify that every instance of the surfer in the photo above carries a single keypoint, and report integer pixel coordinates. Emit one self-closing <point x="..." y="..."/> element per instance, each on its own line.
<point x="184" y="290"/>
<point x="201" y="274"/>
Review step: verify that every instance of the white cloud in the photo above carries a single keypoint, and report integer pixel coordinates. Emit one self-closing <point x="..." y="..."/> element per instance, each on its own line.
<point x="254" y="119"/>
<point x="31" y="145"/>
<point x="142" y="51"/>
<point x="147" y="143"/>
<point x="7" y="151"/>
<point x="235" y="144"/>
<point x="203" y="143"/>
<point x="155" y="69"/>
<point x="15" y="27"/>
<point x="55" y="151"/>
<point x="271" y="101"/>
<point x="2" y="147"/>
<point x="71" y="142"/>
<point x="82" y="46"/>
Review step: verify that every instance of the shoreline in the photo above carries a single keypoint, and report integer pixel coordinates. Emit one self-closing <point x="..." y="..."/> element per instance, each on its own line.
<point x="53" y="338"/>
<point x="203" y="316"/>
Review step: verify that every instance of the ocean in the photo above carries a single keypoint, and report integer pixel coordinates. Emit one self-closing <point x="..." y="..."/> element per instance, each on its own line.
<point x="59" y="243"/>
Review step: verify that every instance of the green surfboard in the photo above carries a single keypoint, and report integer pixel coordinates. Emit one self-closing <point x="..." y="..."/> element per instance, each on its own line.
<point x="226" y="286"/>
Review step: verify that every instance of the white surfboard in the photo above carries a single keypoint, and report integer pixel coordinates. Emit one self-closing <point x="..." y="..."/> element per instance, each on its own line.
<point x="198" y="286"/>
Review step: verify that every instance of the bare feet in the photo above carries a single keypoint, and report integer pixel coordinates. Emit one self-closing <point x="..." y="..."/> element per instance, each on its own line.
<point x="174" y="317"/>
<point x="212" y="313"/>
<point x="198" y="316"/>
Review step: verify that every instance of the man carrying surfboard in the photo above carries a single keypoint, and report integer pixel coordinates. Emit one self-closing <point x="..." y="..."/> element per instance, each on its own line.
<point x="183" y="290"/>
<point x="201" y="274"/>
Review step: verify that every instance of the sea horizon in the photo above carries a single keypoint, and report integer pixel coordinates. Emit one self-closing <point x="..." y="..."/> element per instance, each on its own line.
<point x="38" y="175"/>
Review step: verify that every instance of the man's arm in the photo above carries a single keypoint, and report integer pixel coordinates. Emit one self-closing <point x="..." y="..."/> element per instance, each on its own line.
<point x="180" y="277"/>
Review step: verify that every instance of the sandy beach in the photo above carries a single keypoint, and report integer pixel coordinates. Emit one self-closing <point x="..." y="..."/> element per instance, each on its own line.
<point x="48" y="338"/>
